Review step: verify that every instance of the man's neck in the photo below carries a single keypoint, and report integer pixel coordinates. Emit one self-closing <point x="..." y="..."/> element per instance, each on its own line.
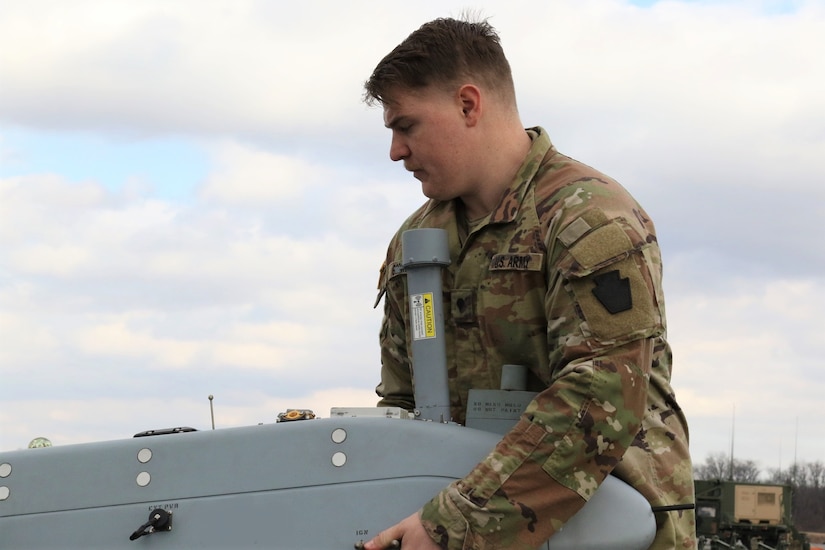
<point x="504" y="158"/>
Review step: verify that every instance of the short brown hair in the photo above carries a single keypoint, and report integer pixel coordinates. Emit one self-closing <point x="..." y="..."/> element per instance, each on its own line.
<point x="443" y="52"/>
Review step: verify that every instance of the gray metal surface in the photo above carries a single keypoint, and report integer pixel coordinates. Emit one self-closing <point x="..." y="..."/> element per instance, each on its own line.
<point x="496" y="410"/>
<point x="269" y="486"/>
<point x="273" y="486"/>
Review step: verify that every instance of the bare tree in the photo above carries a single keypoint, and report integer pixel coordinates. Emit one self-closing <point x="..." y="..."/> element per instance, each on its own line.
<point x="720" y="466"/>
<point x="746" y="470"/>
<point x="815" y="474"/>
<point x="716" y="466"/>
<point x="808" y="483"/>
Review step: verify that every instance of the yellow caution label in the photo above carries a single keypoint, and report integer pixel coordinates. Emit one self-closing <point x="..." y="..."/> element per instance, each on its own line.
<point x="429" y="316"/>
<point x="422" y="316"/>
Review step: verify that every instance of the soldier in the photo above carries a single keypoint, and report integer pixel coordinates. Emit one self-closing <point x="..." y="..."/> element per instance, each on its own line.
<point x="555" y="267"/>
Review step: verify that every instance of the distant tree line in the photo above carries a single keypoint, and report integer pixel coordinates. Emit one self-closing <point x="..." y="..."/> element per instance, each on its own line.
<point x="807" y="479"/>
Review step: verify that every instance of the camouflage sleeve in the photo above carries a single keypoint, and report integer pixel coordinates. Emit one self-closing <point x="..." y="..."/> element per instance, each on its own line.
<point x="603" y="312"/>
<point x="395" y="388"/>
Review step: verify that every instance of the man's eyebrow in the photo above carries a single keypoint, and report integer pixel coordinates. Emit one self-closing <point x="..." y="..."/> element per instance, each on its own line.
<point x="396" y="121"/>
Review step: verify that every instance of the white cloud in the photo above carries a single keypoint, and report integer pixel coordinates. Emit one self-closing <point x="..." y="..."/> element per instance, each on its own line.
<point x="26" y="340"/>
<point x="207" y="66"/>
<point x="58" y="260"/>
<point x="746" y="358"/>
<point x="117" y="339"/>
<point x="691" y="90"/>
<point x="246" y="175"/>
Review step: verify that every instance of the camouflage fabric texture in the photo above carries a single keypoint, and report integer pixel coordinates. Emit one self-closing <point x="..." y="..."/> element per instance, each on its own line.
<point x="564" y="277"/>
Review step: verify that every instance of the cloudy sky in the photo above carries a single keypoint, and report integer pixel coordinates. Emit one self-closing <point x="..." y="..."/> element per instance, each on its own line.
<point x="194" y="201"/>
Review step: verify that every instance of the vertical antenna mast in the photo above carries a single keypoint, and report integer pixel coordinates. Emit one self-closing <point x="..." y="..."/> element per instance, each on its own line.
<point x="212" y="411"/>
<point x="795" y="443"/>
<point x="425" y="252"/>
<point x="732" y="432"/>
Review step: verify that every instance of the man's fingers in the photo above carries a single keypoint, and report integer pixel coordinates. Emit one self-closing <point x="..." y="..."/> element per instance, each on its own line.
<point x="388" y="539"/>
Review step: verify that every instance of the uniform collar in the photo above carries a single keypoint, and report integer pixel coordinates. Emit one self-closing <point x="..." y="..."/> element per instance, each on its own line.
<point x="514" y="195"/>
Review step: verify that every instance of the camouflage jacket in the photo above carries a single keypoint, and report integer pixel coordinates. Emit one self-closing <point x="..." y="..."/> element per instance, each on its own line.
<point x="564" y="277"/>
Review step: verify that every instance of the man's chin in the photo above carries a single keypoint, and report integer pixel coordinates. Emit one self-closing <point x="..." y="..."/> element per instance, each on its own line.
<point x="437" y="196"/>
<point x="432" y="191"/>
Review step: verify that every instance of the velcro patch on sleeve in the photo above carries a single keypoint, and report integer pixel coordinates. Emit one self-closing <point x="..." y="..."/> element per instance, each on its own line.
<point x="608" y="274"/>
<point x="601" y="245"/>
<point x="574" y="231"/>
<point x="617" y="302"/>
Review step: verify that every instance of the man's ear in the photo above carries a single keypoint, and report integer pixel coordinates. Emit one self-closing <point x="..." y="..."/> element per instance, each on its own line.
<point x="469" y="96"/>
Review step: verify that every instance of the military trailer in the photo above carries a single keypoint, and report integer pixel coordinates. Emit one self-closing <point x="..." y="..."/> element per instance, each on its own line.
<point x="754" y="516"/>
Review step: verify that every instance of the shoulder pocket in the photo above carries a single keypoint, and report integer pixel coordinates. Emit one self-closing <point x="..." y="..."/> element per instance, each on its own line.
<point x="388" y="272"/>
<point x="608" y="271"/>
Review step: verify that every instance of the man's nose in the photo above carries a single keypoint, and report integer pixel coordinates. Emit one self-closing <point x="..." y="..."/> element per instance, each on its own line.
<point x="398" y="149"/>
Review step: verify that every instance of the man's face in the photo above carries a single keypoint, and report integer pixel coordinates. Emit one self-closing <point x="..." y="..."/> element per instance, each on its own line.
<point x="429" y="135"/>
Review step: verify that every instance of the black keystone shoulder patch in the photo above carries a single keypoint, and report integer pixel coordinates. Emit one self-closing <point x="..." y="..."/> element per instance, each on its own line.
<point x="613" y="292"/>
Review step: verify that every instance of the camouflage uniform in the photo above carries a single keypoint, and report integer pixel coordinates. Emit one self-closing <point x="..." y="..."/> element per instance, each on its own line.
<point x="564" y="276"/>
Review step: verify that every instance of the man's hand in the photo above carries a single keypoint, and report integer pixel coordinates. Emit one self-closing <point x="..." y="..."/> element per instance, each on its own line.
<point x="409" y="531"/>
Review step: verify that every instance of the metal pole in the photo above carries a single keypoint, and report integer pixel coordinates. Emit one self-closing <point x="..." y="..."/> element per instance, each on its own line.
<point x="425" y="253"/>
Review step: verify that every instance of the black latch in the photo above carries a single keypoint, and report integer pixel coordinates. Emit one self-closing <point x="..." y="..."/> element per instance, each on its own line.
<point x="159" y="520"/>
<point x="165" y="431"/>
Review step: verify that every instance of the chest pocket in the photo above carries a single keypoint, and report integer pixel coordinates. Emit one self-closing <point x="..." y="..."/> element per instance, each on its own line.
<point x="463" y="306"/>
